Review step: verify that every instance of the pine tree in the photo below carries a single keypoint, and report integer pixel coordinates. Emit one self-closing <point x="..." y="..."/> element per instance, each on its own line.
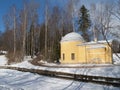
<point x="84" y="22"/>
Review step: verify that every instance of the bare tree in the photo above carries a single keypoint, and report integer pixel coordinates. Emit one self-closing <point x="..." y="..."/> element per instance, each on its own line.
<point x="14" y="17"/>
<point x="93" y="19"/>
<point x="46" y="28"/>
<point x="116" y="11"/>
<point x="10" y="24"/>
<point x="102" y="20"/>
<point x="24" y="28"/>
<point x="116" y="15"/>
<point x="32" y="23"/>
<point x="7" y="23"/>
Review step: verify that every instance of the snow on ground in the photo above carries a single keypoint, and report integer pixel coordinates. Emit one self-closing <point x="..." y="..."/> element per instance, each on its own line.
<point x="3" y="60"/>
<point x="3" y="52"/>
<point x="110" y="71"/>
<point x="15" y="80"/>
<point x="116" y="58"/>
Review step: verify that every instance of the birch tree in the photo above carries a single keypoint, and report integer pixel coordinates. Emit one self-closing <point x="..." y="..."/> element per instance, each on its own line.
<point x="46" y="29"/>
<point x="102" y="19"/>
<point x="24" y="28"/>
<point x="14" y="17"/>
<point x="32" y="23"/>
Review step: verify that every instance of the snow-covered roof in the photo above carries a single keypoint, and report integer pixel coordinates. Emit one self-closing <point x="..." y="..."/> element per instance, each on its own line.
<point x="73" y="36"/>
<point x="95" y="43"/>
<point x="97" y="46"/>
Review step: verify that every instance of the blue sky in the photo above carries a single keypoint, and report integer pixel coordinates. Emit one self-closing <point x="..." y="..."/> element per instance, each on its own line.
<point x="4" y="8"/>
<point x="6" y="4"/>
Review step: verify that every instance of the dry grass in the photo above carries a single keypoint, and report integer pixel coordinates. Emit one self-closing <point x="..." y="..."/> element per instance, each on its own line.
<point x="14" y="58"/>
<point x="36" y="60"/>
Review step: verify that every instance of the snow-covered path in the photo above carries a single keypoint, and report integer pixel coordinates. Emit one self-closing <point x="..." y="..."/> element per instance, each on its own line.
<point x="15" y="80"/>
<point x="111" y="71"/>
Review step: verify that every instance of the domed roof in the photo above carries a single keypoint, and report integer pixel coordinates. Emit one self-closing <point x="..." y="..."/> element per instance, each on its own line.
<point x="73" y="36"/>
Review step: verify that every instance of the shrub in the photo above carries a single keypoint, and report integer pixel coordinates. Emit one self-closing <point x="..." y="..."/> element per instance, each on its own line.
<point x="14" y="58"/>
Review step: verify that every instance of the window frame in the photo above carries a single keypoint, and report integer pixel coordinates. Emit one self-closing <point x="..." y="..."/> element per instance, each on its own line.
<point x="63" y="56"/>
<point x="72" y="56"/>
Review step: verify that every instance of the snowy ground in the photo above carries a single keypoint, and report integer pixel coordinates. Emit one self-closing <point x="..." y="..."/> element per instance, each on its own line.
<point x="15" y="80"/>
<point x="116" y="58"/>
<point x="112" y="71"/>
<point x="3" y="60"/>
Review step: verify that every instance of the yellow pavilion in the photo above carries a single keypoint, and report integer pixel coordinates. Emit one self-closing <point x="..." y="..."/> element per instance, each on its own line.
<point x="74" y="50"/>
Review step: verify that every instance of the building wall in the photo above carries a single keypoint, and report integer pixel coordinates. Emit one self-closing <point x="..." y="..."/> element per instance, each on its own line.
<point x="82" y="54"/>
<point x="96" y="55"/>
<point x="67" y="48"/>
<point x="108" y="54"/>
<point x="85" y="54"/>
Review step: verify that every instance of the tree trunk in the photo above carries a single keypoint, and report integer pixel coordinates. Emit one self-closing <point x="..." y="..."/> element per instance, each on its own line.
<point x="46" y="27"/>
<point x="14" y="31"/>
<point x="24" y="32"/>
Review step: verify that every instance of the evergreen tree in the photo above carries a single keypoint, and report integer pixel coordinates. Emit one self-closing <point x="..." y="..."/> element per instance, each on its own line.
<point x="84" y="22"/>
